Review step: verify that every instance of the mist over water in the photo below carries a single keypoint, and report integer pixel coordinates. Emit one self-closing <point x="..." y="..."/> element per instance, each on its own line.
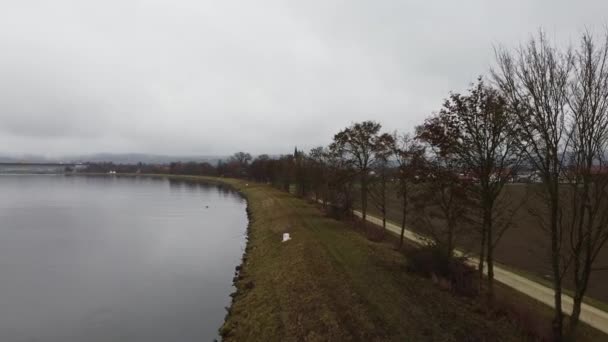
<point x="116" y="259"/>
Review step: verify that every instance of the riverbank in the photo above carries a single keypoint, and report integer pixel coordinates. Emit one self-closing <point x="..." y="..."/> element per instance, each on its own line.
<point x="330" y="283"/>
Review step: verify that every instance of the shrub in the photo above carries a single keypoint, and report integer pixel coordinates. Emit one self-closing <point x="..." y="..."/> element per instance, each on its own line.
<point x="338" y="212"/>
<point x="535" y="326"/>
<point x="448" y="272"/>
<point x="428" y="261"/>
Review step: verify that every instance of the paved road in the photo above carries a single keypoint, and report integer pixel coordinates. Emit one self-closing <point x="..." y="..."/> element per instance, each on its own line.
<point x="590" y="315"/>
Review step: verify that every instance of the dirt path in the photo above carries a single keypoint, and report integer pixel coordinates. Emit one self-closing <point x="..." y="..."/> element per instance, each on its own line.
<point x="590" y="315"/>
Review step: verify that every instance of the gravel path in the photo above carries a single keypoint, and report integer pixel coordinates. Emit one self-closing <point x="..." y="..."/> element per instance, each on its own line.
<point x="590" y="315"/>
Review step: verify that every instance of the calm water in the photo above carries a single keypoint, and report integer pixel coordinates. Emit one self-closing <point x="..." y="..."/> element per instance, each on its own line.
<point x="116" y="259"/>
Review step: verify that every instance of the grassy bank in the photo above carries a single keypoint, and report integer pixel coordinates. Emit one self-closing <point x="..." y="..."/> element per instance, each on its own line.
<point x="330" y="283"/>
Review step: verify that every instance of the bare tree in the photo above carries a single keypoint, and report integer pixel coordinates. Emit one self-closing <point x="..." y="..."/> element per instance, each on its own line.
<point x="302" y="174"/>
<point x="477" y="129"/>
<point x="243" y="158"/>
<point x="260" y="169"/>
<point x="383" y="149"/>
<point x="534" y="81"/>
<point x="356" y="144"/>
<point x="587" y="219"/>
<point x="409" y="156"/>
<point x="443" y="206"/>
<point x="340" y="182"/>
<point x="319" y="179"/>
<point x="239" y="162"/>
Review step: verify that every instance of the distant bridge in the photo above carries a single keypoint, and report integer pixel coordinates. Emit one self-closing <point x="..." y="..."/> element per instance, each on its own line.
<point x="40" y="168"/>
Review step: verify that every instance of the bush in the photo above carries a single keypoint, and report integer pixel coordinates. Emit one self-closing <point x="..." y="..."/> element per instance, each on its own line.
<point x="373" y="233"/>
<point x="534" y="325"/>
<point x="428" y="261"/>
<point x="338" y="212"/>
<point x="448" y="272"/>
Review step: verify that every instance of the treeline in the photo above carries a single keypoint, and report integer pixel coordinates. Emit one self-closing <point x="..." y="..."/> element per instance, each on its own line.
<point x="542" y="107"/>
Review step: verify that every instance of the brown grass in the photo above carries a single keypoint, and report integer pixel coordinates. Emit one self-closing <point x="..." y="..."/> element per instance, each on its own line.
<point x="330" y="283"/>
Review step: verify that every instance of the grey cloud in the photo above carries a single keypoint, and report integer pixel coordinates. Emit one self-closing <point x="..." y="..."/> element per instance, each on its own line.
<point x="210" y="77"/>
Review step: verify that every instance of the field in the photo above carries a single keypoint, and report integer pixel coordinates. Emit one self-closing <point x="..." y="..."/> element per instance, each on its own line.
<point x="524" y="247"/>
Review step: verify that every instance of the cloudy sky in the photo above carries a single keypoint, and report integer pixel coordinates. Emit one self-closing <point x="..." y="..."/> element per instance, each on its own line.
<point x="213" y="77"/>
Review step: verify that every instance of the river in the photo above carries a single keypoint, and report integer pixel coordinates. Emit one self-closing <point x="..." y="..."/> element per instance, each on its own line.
<point x="86" y="258"/>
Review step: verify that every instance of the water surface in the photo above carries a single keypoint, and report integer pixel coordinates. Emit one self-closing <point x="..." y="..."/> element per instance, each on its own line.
<point x="116" y="259"/>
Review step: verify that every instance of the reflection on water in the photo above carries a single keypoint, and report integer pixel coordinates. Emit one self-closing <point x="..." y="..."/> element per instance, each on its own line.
<point x="116" y="259"/>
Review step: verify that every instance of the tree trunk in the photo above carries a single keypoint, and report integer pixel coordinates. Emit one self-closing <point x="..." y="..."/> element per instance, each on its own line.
<point x="558" y="319"/>
<point x="384" y="203"/>
<point x="482" y="256"/>
<point x="450" y="244"/>
<point x="490" y="262"/>
<point x="364" y="198"/>
<point x="403" y="217"/>
<point x="581" y="276"/>
<point x="490" y="248"/>
<point x="581" y="280"/>
<point x="575" y="317"/>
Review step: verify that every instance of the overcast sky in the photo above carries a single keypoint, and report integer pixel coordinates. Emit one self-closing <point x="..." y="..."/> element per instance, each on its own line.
<point x="214" y="77"/>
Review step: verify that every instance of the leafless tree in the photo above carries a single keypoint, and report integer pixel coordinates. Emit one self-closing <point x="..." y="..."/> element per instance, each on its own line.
<point x="409" y="156"/>
<point x="242" y="158"/>
<point x="443" y="205"/>
<point x="587" y="216"/>
<point x="381" y="169"/>
<point x="319" y="175"/>
<point x="340" y="182"/>
<point x="478" y="130"/>
<point x="534" y="81"/>
<point x="238" y="163"/>
<point x="356" y="145"/>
